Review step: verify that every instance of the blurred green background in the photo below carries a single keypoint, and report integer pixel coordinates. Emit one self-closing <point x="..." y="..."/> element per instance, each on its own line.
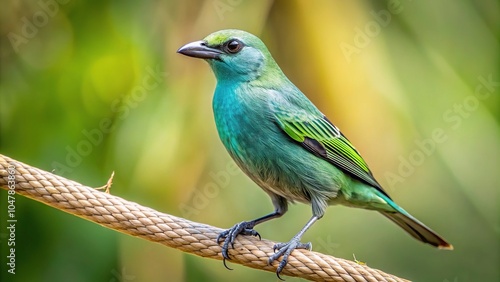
<point x="91" y="87"/>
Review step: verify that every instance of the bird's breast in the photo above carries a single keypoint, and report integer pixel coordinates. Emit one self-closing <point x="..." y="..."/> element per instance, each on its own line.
<point x="244" y="126"/>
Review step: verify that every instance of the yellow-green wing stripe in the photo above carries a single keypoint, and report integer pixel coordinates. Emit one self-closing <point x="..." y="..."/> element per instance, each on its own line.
<point x="339" y="151"/>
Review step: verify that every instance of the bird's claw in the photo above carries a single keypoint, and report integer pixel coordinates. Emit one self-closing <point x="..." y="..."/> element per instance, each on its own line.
<point x="243" y="228"/>
<point x="285" y="249"/>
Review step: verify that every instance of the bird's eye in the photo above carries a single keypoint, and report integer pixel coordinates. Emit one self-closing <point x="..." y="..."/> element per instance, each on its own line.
<point x="233" y="46"/>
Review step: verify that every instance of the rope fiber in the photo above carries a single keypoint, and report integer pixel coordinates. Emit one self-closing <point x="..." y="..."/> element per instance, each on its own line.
<point x="196" y="238"/>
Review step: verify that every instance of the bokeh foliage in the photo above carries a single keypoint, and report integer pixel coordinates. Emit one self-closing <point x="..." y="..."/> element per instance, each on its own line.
<point x="90" y="87"/>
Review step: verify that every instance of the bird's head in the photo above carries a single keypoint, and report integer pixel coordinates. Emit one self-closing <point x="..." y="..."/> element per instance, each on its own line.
<point x="234" y="55"/>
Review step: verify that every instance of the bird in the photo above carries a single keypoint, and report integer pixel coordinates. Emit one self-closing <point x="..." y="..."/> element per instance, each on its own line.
<point x="286" y="145"/>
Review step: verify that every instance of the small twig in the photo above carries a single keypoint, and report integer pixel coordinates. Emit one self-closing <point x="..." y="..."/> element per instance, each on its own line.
<point x="108" y="184"/>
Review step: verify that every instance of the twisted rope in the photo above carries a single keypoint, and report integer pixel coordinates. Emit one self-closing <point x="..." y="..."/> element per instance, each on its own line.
<point x="191" y="237"/>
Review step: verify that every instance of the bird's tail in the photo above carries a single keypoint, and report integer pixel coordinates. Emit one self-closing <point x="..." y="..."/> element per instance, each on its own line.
<point x="417" y="229"/>
<point x="411" y="225"/>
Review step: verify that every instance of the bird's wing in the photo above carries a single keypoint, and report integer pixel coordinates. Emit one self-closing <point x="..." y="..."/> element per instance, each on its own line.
<point x="318" y="135"/>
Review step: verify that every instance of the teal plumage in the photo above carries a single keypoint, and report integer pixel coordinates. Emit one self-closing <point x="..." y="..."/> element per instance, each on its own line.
<point x="283" y="142"/>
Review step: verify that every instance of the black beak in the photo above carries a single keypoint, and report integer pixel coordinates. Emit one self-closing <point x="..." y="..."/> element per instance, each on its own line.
<point x="199" y="49"/>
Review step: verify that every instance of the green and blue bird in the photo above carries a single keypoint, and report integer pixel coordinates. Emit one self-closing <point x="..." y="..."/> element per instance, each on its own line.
<point x="280" y="139"/>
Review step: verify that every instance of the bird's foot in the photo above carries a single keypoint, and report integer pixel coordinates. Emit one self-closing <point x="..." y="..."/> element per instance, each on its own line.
<point x="244" y="228"/>
<point x="285" y="249"/>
